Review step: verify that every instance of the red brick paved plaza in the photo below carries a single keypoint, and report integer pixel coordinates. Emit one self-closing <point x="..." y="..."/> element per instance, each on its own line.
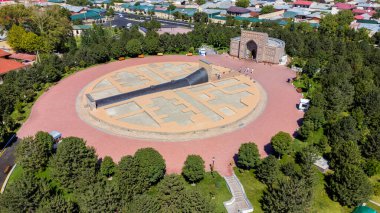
<point x="55" y="110"/>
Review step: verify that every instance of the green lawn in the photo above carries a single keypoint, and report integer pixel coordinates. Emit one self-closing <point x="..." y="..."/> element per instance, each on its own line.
<point x="321" y="202"/>
<point x="210" y="187"/>
<point x="16" y="174"/>
<point x="214" y="186"/>
<point x="252" y="187"/>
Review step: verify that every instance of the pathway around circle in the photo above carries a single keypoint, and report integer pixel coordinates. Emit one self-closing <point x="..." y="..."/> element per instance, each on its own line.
<point x="55" y="110"/>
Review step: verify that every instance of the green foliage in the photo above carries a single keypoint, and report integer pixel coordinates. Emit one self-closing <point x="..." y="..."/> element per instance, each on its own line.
<point x="134" y="47"/>
<point x="171" y="7"/>
<point x="267" y="9"/>
<point x="349" y="186"/>
<point x="152" y="25"/>
<point x="100" y="197"/>
<point x="152" y="165"/>
<point x="268" y="170"/>
<point x="78" y="2"/>
<point x="23" y="41"/>
<point x="33" y="153"/>
<point x="32" y="30"/>
<point x="200" y="2"/>
<point x="107" y="168"/>
<point x="23" y="195"/>
<point x="248" y="156"/>
<point x="371" y="167"/>
<point x="74" y="164"/>
<point x="281" y="143"/>
<point x="137" y="174"/>
<point x="200" y="17"/>
<point x="345" y="153"/>
<point x="242" y="3"/>
<point x="287" y="196"/>
<point x="56" y="204"/>
<point x="194" y="168"/>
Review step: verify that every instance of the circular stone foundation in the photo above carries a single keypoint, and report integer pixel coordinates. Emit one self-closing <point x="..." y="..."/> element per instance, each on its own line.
<point x="226" y="102"/>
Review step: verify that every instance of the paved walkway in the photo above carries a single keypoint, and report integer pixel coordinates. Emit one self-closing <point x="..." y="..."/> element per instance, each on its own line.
<point x="239" y="201"/>
<point x="55" y="110"/>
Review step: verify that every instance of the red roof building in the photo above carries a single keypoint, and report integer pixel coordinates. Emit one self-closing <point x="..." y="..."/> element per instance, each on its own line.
<point x="23" y="57"/>
<point x="7" y="65"/>
<point x="302" y="4"/>
<point x="4" y="53"/>
<point x="344" y="6"/>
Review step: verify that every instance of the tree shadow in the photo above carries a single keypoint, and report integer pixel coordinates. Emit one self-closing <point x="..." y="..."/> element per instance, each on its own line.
<point x="269" y="149"/>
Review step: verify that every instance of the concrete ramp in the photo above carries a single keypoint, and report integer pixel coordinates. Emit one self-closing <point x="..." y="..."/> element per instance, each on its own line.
<point x="239" y="202"/>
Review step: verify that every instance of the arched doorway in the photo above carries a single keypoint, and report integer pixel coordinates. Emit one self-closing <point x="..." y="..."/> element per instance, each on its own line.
<point x="251" y="50"/>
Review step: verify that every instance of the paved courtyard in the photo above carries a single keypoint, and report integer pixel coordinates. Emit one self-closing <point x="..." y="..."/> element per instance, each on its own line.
<point x="187" y="113"/>
<point x="56" y="110"/>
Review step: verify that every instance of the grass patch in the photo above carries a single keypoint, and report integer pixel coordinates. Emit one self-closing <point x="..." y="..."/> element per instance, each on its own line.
<point x="373" y="206"/>
<point x="16" y="174"/>
<point x="252" y="187"/>
<point x="21" y="117"/>
<point x="375" y="180"/>
<point x="213" y="187"/>
<point x="322" y="202"/>
<point x="209" y="187"/>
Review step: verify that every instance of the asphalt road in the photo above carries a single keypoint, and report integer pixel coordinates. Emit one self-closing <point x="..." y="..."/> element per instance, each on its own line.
<point x="8" y="158"/>
<point x="123" y="19"/>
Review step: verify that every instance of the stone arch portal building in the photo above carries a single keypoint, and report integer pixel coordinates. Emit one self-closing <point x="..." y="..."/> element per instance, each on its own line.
<point x="257" y="46"/>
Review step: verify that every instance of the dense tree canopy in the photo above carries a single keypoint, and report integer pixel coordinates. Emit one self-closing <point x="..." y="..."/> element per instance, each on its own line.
<point x="74" y="164"/>
<point x="33" y="153"/>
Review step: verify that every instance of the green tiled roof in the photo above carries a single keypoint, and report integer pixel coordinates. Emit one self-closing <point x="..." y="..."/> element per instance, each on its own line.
<point x="363" y="209"/>
<point x="85" y="16"/>
<point x="364" y="21"/>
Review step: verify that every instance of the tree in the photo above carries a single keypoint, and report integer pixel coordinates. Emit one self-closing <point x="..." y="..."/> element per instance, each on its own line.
<point x="24" y="41"/>
<point x="135" y="174"/>
<point x="288" y="196"/>
<point x="78" y="2"/>
<point x="281" y="143"/>
<point x="371" y="167"/>
<point x="345" y="153"/>
<point x="248" y="156"/>
<point x="143" y="203"/>
<point x="151" y="44"/>
<point x="33" y="153"/>
<point x="267" y="9"/>
<point x="107" y="168"/>
<point x="102" y="196"/>
<point x="12" y="15"/>
<point x="58" y="204"/>
<point x="242" y="3"/>
<point x="151" y="164"/>
<point x="171" y="7"/>
<point x="194" y="168"/>
<point x="200" y="17"/>
<point x="200" y="2"/>
<point x="24" y="195"/>
<point x="133" y="47"/>
<point x="152" y="25"/>
<point x="74" y="164"/>
<point x="349" y="186"/>
<point x="268" y="170"/>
